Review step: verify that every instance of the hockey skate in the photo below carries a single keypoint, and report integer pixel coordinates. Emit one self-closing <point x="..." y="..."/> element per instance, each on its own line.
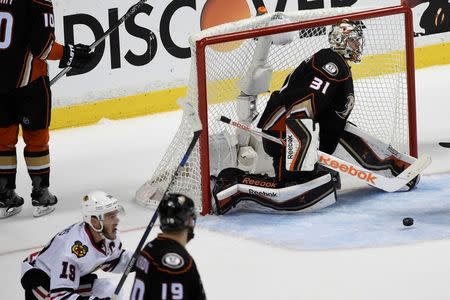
<point x="43" y="200"/>
<point x="225" y="179"/>
<point x="10" y="203"/>
<point x="335" y="176"/>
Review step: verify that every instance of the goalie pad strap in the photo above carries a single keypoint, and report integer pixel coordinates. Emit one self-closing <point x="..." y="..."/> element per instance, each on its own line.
<point x="302" y="142"/>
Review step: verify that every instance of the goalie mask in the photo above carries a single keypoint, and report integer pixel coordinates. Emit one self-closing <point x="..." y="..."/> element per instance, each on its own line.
<point x="346" y="38"/>
<point x="176" y="213"/>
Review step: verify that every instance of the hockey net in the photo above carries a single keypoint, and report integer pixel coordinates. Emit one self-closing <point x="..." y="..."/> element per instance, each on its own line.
<point x="221" y="56"/>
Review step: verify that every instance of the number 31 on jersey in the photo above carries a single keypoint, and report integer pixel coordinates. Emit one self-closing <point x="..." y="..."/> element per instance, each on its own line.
<point x="317" y="83"/>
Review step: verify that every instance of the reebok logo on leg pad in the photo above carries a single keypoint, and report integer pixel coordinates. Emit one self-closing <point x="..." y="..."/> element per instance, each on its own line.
<point x="342" y="167"/>
<point x="262" y="183"/>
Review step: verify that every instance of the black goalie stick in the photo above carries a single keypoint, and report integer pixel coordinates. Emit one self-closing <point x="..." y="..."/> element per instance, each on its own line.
<point x="131" y="11"/>
<point x="444" y="144"/>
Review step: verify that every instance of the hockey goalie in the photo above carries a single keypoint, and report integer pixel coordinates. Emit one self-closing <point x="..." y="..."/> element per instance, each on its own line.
<point x="310" y="115"/>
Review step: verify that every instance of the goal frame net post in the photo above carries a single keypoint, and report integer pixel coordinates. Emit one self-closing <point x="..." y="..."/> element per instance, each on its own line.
<point x="231" y="34"/>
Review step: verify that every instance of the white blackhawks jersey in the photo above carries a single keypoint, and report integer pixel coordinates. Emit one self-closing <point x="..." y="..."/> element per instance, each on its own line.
<point x="73" y="253"/>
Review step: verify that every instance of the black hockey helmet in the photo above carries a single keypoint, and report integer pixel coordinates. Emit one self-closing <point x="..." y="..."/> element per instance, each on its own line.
<point x="176" y="212"/>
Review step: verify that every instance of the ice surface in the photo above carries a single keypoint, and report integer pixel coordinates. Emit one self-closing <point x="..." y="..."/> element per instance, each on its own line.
<point x="356" y="249"/>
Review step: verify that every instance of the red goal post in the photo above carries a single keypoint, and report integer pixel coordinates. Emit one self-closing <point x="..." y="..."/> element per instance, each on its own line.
<point x="384" y="84"/>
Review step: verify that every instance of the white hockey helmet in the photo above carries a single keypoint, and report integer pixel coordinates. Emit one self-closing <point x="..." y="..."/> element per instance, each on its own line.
<point x="97" y="204"/>
<point x="346" y="37"/>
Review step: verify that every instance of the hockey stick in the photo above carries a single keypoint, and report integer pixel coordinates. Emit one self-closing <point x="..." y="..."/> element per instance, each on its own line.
<point x="196" y="125"/>
<point x="154" y="217"/>
<point x="388" y="184"/>
<point x="128" y="14"/>
<point x="444" y="144"/>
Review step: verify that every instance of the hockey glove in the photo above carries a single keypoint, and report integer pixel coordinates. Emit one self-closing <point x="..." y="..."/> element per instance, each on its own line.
<point x="75" y="56"/>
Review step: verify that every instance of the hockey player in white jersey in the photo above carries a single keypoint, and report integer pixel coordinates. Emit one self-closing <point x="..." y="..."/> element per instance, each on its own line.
<point x="64" y="268"/>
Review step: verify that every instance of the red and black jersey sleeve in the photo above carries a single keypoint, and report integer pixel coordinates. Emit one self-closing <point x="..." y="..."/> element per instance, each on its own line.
<point x="43" y="28"/>
<point x="26" y="41"/>
<point x="165" y="270"/>
<point x="273" y="116"/>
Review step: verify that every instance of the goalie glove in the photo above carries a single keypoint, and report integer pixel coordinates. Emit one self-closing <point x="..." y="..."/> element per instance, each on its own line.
<point x="76" y="56"/>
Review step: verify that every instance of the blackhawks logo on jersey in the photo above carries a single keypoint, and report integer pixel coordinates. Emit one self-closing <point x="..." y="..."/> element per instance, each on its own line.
<point x="79" y="249"/>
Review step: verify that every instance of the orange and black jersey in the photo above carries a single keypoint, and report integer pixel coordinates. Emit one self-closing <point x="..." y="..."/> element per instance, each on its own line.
<point x="320" y="88"/>
<point x="26" y="41"/>
<point x="165" y="270"/>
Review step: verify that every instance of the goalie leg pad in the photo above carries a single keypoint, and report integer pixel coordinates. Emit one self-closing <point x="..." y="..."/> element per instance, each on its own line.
<point x="227" y="179"/>
<point x="360" y="148"/>
<point x="411" y="185"/>
<point x="302" y="142"/>
<point x="262" y="193"/>
<point x="370" y="153"/>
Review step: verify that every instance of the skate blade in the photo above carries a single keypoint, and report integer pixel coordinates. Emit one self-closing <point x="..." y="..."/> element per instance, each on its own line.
<point x="40" y="211"/>
<point x="5" y="212"/>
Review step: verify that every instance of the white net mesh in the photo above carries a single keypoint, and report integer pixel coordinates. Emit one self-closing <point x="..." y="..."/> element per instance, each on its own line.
<point x="381" y="107"/>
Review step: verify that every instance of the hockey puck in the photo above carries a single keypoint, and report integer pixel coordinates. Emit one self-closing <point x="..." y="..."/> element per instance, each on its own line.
<point x="408" y="221"/>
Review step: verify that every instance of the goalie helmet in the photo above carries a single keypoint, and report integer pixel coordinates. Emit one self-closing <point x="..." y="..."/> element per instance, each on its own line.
<point x="346" y="37"/>
<point x="97" y="204"/>
<point x="176" y="213"/>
